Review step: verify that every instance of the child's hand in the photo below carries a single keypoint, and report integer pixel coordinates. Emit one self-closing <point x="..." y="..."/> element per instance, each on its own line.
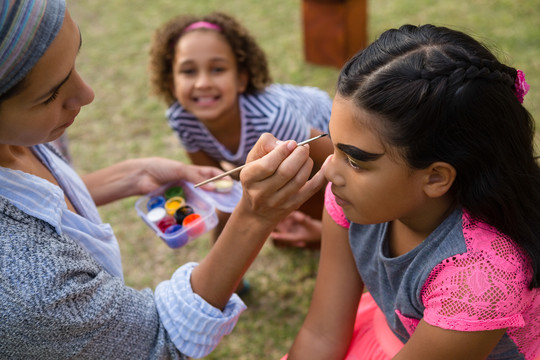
<point x="276" y="179"/>
<point x="297" y="230"/>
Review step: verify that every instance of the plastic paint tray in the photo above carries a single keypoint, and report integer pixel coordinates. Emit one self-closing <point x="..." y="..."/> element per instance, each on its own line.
<point x="227" y="201"/>
<point x="203" y="203"/>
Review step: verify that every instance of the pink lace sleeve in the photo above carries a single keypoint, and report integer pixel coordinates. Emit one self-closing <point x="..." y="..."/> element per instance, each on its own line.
<point x="485" y="288"/>
<point x="333" y="209"/>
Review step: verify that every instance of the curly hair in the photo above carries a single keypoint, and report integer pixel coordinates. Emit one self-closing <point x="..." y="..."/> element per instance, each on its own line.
<point x="249" y="55"/>
<point x="440" y="95"/>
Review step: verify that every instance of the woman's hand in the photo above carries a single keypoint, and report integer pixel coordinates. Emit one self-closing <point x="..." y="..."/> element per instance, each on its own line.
<point x="160" y="171"/>
<point x="141" y="176"/>
<point x="276" y="179"/>
<point x="275" y="182"/>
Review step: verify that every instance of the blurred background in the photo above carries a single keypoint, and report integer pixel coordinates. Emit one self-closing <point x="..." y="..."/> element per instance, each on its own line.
<point x="125" y="121"/>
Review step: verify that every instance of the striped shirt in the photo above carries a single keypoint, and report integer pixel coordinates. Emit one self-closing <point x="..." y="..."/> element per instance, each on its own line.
<point x="288" y="112"/>
<point x="194" y="326"/>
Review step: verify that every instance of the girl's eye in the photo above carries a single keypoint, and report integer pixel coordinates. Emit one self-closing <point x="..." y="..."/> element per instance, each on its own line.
<point x="187" y="71"/>
<point x="352" y="163"/>
<point x="51" y="98"/>
<point x="218" y="69"/>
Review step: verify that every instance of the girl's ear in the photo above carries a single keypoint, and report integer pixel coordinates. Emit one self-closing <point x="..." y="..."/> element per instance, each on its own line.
<point x="439" y="180"/>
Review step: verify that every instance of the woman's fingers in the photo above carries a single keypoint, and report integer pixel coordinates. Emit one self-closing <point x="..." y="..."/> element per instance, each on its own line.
<point x="278" y="167"/>
<point x="276" y="179"/>
<point x="284" y="185"/>
<point x="266" y="166"/>
<point x="266" y="143"/>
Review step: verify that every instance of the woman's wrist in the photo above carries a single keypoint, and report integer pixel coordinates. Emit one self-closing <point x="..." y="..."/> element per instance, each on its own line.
<point x="266" y="218"/>
<point x="115" y="182"/>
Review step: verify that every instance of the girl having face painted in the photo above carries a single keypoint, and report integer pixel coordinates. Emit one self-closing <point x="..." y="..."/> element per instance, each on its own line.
<point x="433" y="207"/>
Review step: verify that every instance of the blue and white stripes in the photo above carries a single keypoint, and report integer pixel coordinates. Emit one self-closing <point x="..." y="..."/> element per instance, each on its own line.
<point x="194" y="326"/>
<point x="27" y="28"/>
<point x="286" y="111"/>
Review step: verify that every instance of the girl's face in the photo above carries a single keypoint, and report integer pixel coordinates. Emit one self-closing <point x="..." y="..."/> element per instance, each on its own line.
<point x="205" y="75"/>
<point x="371" y="186"/>
<point x="52" y="95"/>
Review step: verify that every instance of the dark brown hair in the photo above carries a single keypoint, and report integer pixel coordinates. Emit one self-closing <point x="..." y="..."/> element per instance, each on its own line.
<point x="440" y="95"/>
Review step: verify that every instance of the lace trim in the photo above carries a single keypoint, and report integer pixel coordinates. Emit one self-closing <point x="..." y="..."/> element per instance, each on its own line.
<point x="485" y="288"/>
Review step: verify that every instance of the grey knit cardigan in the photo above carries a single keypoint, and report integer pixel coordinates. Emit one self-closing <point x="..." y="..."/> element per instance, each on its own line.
<point x="57" y="302"/>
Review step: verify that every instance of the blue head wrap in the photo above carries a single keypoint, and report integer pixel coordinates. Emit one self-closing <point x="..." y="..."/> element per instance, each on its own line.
<point x="27" y="28"/>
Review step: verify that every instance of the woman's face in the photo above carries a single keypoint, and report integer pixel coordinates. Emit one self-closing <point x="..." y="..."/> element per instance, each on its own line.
<point x="51" y="97"/>
<point x="371" y="186"/>
<point x="205" y="75"/>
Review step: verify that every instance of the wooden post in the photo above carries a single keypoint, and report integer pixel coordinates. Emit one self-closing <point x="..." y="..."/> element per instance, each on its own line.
<point x="334" y="30"/>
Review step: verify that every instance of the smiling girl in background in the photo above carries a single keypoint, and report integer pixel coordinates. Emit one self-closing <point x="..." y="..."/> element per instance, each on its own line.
<point x="214" y="77"/>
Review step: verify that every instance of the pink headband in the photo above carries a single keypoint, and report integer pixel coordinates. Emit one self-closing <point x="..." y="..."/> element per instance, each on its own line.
<point x="202" y="25"/>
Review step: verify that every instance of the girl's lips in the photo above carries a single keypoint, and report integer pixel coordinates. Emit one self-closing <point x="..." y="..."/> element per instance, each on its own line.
<point x="340" y="201"/>
<point x="206" y="100"/>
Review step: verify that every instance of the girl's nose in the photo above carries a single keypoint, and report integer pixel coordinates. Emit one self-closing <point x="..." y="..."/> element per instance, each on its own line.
<point x="203" y="80"/>
<point x="331" y="172"/>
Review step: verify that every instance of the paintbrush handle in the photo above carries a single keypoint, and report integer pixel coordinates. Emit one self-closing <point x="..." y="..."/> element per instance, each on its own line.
<point x="242" y="166"/>
<point x="220" y="176"/>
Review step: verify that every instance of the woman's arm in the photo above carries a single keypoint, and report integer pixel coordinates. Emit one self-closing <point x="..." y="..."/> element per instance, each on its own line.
<point x="327" y="330"/>
<point x="275" y="182"/>
<point x="141" y="176"/>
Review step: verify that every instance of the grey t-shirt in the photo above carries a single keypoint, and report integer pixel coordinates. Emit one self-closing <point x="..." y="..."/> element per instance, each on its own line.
<point x="396" y="283"/>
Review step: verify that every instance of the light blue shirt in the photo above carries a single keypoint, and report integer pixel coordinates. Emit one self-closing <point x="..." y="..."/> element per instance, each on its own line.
<point x="44" y="200"/>
<point x="194" y="326"/>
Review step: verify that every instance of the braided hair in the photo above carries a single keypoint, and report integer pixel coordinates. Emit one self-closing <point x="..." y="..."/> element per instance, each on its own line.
<point x="440" y="95"/>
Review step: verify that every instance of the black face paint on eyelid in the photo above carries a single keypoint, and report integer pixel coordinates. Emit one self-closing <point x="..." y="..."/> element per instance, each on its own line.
<point x="358" y="154"/>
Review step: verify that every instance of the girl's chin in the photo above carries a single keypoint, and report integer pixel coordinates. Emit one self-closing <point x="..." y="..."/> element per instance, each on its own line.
<point x="357" y="218"/>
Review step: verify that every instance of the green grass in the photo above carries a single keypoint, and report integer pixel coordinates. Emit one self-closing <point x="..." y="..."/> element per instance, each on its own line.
<point x="124" y="122"/>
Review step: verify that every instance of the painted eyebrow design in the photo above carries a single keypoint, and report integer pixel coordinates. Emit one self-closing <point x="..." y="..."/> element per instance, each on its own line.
<point x="358" y="154"/>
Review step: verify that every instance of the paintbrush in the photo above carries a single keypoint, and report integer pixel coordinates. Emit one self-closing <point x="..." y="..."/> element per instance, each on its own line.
<point x="242" y="166"/>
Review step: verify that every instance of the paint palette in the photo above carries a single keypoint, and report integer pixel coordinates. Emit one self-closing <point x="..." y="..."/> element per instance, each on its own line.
<point x="178" y="212"/>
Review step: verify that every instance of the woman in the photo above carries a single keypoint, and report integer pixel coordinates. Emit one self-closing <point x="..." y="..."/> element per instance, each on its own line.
<point x="62" y="293"/>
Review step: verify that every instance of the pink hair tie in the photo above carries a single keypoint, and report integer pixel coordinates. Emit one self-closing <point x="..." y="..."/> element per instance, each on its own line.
<point x="202" y="25"/>
<point x="521" y="86"/>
